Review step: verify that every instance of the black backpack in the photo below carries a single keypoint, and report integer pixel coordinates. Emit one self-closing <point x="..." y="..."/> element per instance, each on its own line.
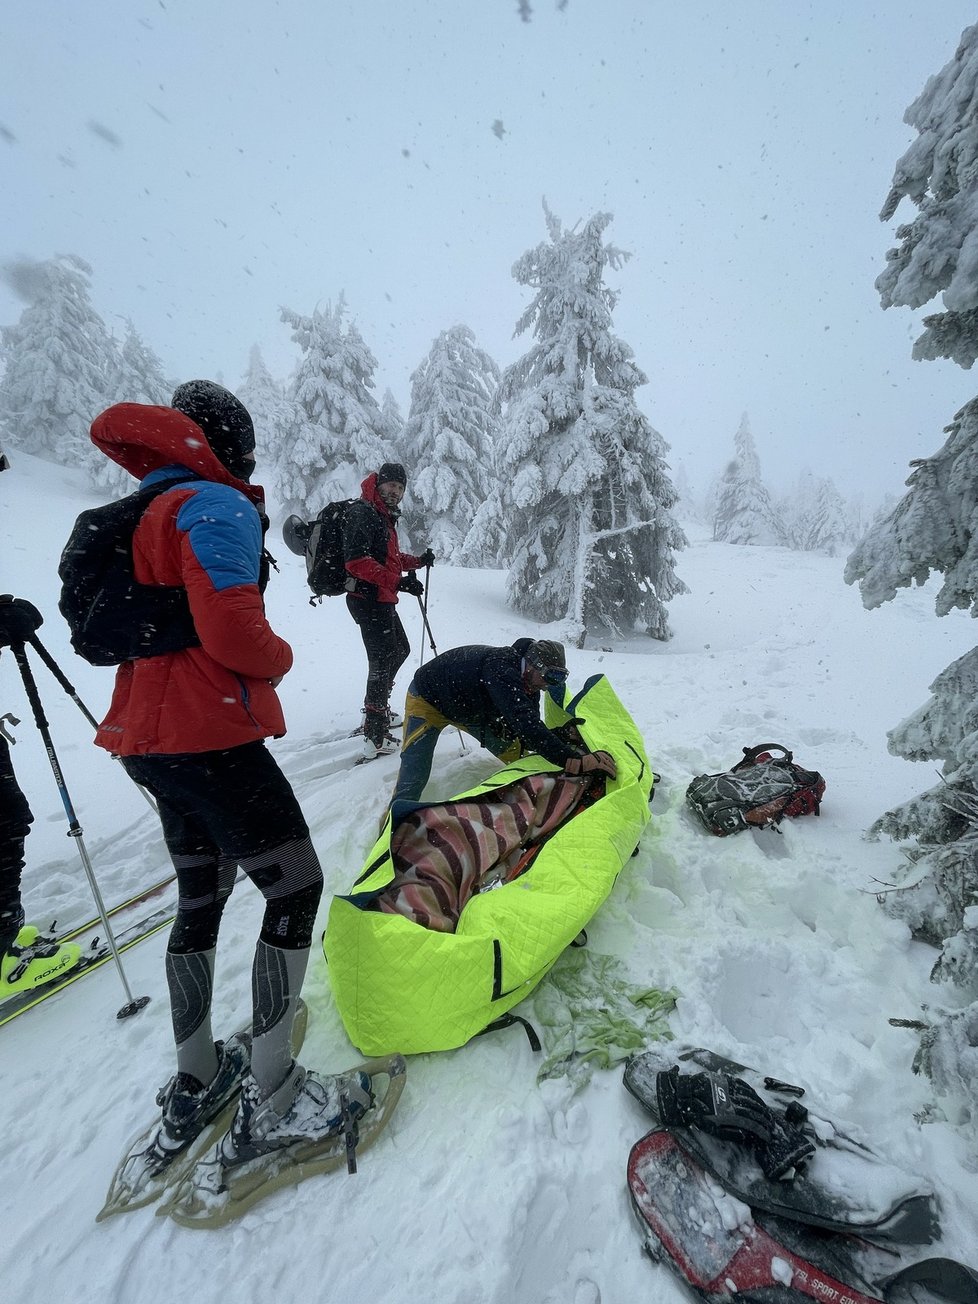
<point x="113" y="618"/>
<point x="320" y="541"/>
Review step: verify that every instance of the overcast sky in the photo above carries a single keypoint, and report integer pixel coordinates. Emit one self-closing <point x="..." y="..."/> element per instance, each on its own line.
<point x="216" y="159"/>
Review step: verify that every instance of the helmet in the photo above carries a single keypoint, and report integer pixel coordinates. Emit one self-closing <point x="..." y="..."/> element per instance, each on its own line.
<point x="296" y="533"/>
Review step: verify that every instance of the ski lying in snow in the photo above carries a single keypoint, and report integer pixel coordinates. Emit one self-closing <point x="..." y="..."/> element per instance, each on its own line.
<point x="96" y="954"/>
<point x="366" y="760"/>
<point x="215" y="1191"/>
<point x="138" y="898"/>
<point x="42" y="955"/>
<point x="142" y="1176"/>
<point x="346" y="763"/>
<point x="844" y="1187"/>
<point x="340" y="736"/>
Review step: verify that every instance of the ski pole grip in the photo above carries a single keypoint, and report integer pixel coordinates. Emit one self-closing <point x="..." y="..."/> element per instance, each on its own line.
<point x="19" y="619"/>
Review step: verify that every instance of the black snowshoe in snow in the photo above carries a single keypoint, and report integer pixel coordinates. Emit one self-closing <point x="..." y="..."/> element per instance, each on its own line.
<point x="748" y="1198"/>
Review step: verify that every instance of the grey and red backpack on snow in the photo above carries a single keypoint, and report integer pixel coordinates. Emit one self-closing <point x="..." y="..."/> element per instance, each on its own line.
<point x="758" y="791"/>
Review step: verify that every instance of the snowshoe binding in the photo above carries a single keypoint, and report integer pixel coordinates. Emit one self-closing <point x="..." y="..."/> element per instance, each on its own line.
<point x="160" y="1154"/>
<point x="312" y="1124"/>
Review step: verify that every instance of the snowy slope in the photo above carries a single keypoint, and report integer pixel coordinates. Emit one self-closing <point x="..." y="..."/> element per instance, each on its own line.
<point x="489" y="1187"/>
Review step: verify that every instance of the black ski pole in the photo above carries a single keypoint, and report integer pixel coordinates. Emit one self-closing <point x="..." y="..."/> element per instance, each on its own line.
<point x="62" y="679"/>
<point x="133" y="1005"/>
<point x="423" y="604"/>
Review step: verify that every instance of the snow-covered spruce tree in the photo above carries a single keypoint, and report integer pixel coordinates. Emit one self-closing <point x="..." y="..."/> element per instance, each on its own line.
<point x="336" y="438"/>
<point x="448" y="438"/>
<point x="828" y="531"/>
<point x="589" y="502"/>
<point x="135" y="375"/>
<point x="934" y="527"/>
<point x="744" y="512"/>
<point x="687" y="502"/>
<point x="859" y="517"/>
<point x="367" y="447"/>
<point x="272" y="413"/>
<point x="391" y="421"/>
<point x="58" y="360"/>
<point x="795" y="510"/>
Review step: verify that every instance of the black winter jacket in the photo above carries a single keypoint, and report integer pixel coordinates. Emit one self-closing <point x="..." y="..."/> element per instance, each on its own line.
<point x="481" y="689"/>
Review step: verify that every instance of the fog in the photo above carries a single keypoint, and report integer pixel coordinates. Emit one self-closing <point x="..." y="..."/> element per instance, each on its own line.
<point x="216" y="162"/>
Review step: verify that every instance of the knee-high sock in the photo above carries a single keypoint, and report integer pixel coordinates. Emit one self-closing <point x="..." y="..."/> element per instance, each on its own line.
<point x="276" y="981"/>
<point x="190" y="979"/>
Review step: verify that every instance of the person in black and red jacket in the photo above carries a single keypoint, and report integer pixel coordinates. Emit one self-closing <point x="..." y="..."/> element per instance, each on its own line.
<point x="378" y="572"/>
<point x="190" y="726"/>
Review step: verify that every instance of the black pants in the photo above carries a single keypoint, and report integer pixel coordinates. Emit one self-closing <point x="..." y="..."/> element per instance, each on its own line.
<point x="387" y="649"/>
<point x="15" y="822"/>
<point x="225" y="808"/>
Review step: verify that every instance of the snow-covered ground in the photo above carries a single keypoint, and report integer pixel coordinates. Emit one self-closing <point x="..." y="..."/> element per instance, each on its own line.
<point x="488" y="1187"/>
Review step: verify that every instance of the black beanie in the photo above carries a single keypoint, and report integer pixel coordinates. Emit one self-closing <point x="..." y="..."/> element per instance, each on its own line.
<point x="393" y="472"/>
<point x="546" y="654"/>
<point x="224" y="420"/>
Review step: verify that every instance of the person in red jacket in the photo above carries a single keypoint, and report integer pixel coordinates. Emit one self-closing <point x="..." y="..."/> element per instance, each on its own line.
<point x="190" y="726"/>
<point x="377" y="567"/>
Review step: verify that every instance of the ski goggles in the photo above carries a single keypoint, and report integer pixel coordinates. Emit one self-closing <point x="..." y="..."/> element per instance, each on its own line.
<point x="553" y="676"/>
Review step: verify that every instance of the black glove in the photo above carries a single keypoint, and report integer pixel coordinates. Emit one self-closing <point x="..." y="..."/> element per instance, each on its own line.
<point x="411" y="584"/>
<point x="427" y="558"/>
<point x="790" y="1145"/>
<point x="715" y="1102"/>
<point x="19" y="619"/>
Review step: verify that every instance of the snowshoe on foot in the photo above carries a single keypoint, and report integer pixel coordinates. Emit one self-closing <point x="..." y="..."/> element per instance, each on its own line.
<point x="186" y="1113"/>
<point x="33" y="959"/>
<point x="161" y="1153"/>
<point x="306" y="1109"/>
<point x="312" y="1124"/>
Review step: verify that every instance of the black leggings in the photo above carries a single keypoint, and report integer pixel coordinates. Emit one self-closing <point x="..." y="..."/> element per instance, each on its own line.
<point x="386" y="645"/>
<point x="15" y="823"/>
<point x="226" y="808"/>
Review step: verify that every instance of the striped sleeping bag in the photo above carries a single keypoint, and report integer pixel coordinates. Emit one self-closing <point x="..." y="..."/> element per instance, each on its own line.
<point x="464" y="905"/>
